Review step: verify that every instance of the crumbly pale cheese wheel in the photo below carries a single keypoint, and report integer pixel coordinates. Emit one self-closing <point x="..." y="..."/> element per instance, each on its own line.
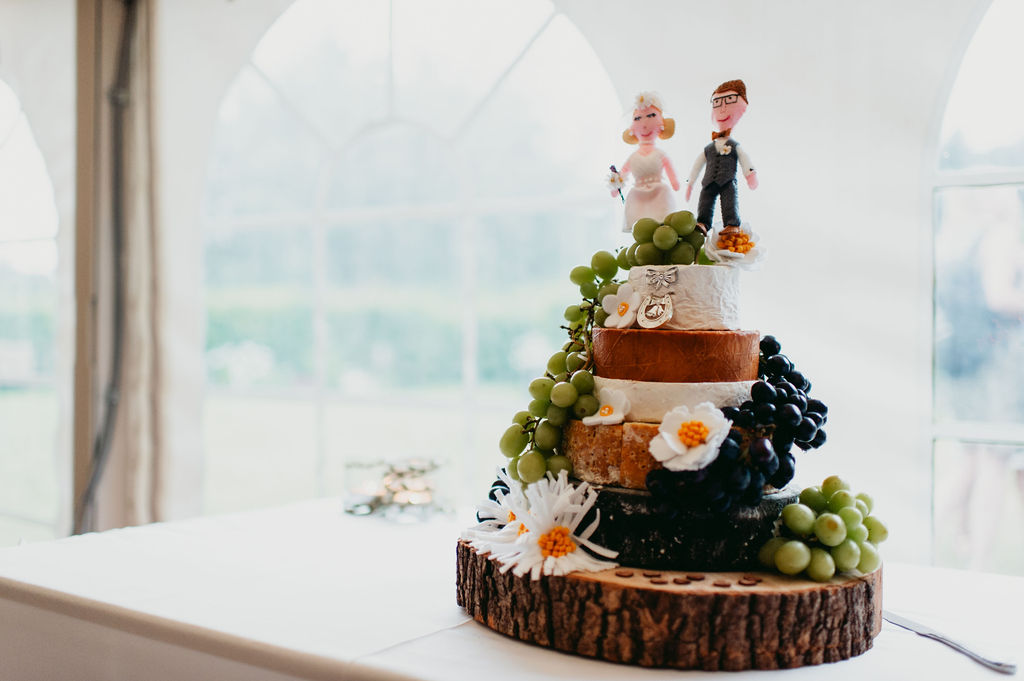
<point x="611" y="455"/>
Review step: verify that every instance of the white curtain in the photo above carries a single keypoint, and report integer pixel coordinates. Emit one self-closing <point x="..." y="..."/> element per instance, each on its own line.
<point x="153" y="470"/>
<point x="182" y="61"/>
<point x="125" y="495"/>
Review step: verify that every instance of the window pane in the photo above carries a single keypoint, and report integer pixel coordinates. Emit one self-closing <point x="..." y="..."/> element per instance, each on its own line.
<point x="391" y="346"/>
<point x="28" y="309"/>
<point x="28" y="400"/>
<point x="983" y="126"/>
<point x="391" y="166"/>
<point x="979" y="304"/>
<point x="251" y="256"/>
<point x="546" y="129"/>
<point x="259" y="309"/>
<point x="523" y="287"/>
<point x="263" y="448"/>
<point x="28" y="483"/>
<point x="393" y="254"/>
<point x="448" y="54"/>
<point x="425" y="423"/>
<point x="329" y="59"/>
<point x="979" y="506"/>
<point x="397" y="310"/>
<point x="29" y="210"/>
<point x="34" y="282"/>
<point x="262" y="158"/>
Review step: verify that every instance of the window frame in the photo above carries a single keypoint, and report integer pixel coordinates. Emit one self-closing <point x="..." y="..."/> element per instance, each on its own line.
<point x="463" y="211"/>
<point x="938" y="180"/>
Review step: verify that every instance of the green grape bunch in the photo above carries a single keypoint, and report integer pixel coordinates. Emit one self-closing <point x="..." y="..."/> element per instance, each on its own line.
<point x="533" y="443"/>
<point x="673" y="241"/>
<point x="829" y="530"/>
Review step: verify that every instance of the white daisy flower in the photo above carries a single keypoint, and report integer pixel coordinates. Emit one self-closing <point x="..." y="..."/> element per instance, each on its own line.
<point x="689" y="440"/>
<point x="744" y="250"/>
<point x="621" y="307"/>
<point x="496" y="515"/>
<point x="614" y="407"/>
<point x="549" y="539"/>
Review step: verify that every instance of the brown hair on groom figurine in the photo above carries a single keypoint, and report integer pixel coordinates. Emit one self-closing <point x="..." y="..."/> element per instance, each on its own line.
<point x="728" y="103"/>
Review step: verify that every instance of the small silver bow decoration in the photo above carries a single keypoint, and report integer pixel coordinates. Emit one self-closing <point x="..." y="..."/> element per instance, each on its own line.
<point x="660" y="279"/>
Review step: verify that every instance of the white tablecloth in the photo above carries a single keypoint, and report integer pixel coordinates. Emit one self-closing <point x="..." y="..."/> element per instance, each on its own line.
<point x="306" y="592"/>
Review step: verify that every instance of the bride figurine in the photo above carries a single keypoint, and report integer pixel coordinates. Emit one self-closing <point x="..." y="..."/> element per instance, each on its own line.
<point x="649" y="197"/>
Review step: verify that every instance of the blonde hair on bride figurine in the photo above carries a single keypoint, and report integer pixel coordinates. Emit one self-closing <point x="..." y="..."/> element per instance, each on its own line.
<point x="644" y="102"/>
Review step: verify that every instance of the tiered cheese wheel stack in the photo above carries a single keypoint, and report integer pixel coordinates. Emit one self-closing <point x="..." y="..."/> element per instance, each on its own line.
<point x="699" y="355"/>
<point x="688" y="591"/>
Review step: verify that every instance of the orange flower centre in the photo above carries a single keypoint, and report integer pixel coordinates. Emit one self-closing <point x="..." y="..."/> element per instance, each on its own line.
<point x="623" y="308"/>
<point x="556" y="542"/>
<point x="693" y="433"/>
<point x="737" y="243"/>
<point x="606" y="410"/>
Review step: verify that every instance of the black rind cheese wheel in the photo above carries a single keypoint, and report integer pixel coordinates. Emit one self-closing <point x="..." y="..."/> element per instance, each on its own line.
<point x="649" y="536"/>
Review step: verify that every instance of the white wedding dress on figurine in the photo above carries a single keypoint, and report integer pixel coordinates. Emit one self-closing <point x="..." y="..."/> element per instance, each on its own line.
<point x="650" y="197"/>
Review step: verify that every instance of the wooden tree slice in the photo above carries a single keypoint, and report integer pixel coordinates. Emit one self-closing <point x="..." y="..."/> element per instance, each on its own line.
<point x="687" y="620"/>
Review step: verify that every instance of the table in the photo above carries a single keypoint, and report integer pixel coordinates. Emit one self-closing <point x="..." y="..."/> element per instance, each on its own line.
<point x="307" y="592"/>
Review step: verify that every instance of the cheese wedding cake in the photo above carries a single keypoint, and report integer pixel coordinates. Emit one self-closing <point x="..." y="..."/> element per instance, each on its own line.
<point x="643" y="511"/>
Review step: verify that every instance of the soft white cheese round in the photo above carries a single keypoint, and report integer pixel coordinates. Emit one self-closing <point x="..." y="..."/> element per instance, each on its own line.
<point x="703" y="296"/>
<point x="649" y="401"/>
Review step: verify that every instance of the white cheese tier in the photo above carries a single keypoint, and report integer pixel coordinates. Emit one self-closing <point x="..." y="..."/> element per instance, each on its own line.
<point x="649" y="402"/>
<point x="703" y="296"/>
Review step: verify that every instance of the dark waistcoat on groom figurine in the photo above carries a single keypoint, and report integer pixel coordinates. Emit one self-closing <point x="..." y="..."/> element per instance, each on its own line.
<point x="719" y="180"/>
<point x="721" y="160"/>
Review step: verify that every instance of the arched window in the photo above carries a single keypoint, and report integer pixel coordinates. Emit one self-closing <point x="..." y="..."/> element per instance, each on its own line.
<point x="978" y="434"/>
<point x="29" y="319"/>
<point x="393" y="196"/>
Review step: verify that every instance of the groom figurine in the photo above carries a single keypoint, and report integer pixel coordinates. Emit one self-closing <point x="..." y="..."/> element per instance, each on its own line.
<point x="721" y="157"/>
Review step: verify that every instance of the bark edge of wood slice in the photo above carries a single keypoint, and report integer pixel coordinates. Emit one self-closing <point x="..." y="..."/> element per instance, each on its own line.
<point x="684" y="620"/>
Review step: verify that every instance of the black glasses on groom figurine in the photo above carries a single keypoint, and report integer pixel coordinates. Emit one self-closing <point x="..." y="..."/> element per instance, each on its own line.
<point x="724" y="99"/>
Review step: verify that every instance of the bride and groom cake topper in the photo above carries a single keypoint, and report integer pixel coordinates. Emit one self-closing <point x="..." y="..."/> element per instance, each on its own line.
<point x="650" y="196"/>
